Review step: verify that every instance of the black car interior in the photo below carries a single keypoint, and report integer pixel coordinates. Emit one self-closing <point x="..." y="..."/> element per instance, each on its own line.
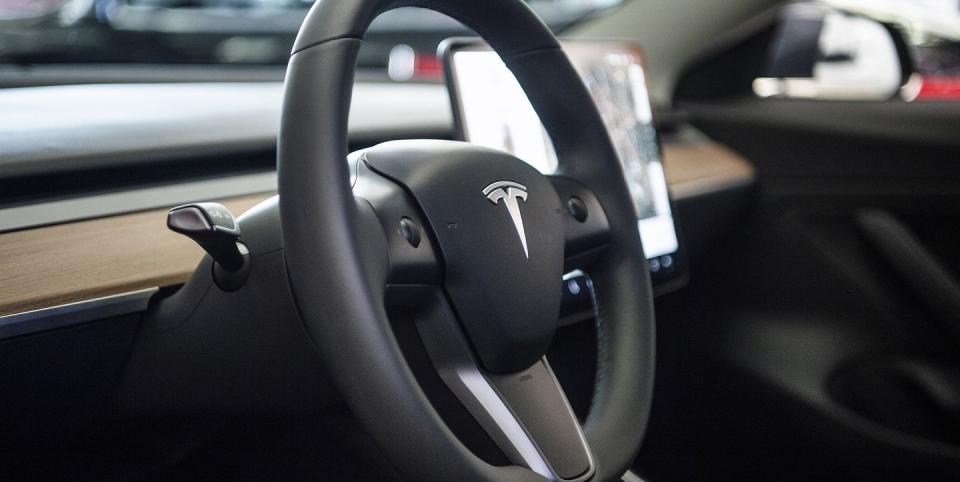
<point x="203" y="289"/>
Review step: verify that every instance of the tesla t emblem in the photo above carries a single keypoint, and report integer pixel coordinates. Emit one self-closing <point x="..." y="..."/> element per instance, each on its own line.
<point x="509" y="192"/>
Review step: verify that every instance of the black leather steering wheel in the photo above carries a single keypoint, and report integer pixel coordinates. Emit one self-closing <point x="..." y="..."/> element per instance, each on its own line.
<point x="473" y="242"/>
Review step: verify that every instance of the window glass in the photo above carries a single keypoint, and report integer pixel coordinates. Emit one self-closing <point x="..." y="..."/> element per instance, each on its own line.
<point x="865" y="50"/>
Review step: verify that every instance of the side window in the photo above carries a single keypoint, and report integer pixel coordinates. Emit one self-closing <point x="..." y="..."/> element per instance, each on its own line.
<point x="864" y="50"/>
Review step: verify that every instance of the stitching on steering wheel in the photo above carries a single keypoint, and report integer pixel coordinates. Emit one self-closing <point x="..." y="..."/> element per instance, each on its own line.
<point x="601" y="343"/>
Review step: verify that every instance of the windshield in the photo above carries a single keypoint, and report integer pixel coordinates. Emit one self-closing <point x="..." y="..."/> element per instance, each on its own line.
<point x="220" y="32"/>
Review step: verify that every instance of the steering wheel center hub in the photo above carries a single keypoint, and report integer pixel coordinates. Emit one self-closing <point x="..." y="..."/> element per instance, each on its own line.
<point x="499" y="226"/>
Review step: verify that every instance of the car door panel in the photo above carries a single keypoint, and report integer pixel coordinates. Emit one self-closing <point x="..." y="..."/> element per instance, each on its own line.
<point x="822" y="326"/>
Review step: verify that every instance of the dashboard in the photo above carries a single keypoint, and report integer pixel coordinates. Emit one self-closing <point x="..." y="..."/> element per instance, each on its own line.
<point x="66" y="247"/>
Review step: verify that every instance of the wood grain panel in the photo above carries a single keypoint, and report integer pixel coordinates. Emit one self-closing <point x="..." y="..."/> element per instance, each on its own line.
<point x="698" y="168"/>
<point x="72" y="262"/>
<point x="60" y="264"/>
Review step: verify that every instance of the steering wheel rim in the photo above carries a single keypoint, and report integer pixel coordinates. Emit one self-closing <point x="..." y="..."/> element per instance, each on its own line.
<point x="337" y="265"/>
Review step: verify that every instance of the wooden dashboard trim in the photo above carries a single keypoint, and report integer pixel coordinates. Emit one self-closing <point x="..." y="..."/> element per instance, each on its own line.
<point x="67" y="263"/>
<point x="699" y="168"/>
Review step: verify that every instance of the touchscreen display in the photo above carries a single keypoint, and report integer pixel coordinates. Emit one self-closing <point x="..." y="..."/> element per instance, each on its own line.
<point x="494" y="112"/>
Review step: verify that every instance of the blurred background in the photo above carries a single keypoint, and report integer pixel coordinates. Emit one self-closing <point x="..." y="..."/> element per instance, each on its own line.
<point x="830" y="49"/>
<point x="225" y="32"/>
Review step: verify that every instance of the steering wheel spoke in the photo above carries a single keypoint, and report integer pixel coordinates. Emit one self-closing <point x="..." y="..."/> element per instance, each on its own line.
<point x="525" y="413"/>
<point x="585" y="226"/>
<point x="411" y="253"/>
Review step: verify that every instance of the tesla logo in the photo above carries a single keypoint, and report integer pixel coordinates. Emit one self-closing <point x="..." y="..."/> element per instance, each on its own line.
<point x="510" y="192"/>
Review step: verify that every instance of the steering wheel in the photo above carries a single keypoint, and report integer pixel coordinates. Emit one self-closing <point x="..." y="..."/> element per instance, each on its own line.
<point x="474" y="243"/>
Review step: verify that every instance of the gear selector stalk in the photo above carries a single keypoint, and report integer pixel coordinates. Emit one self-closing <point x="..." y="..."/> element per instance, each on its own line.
<point x="214" y="228"/>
